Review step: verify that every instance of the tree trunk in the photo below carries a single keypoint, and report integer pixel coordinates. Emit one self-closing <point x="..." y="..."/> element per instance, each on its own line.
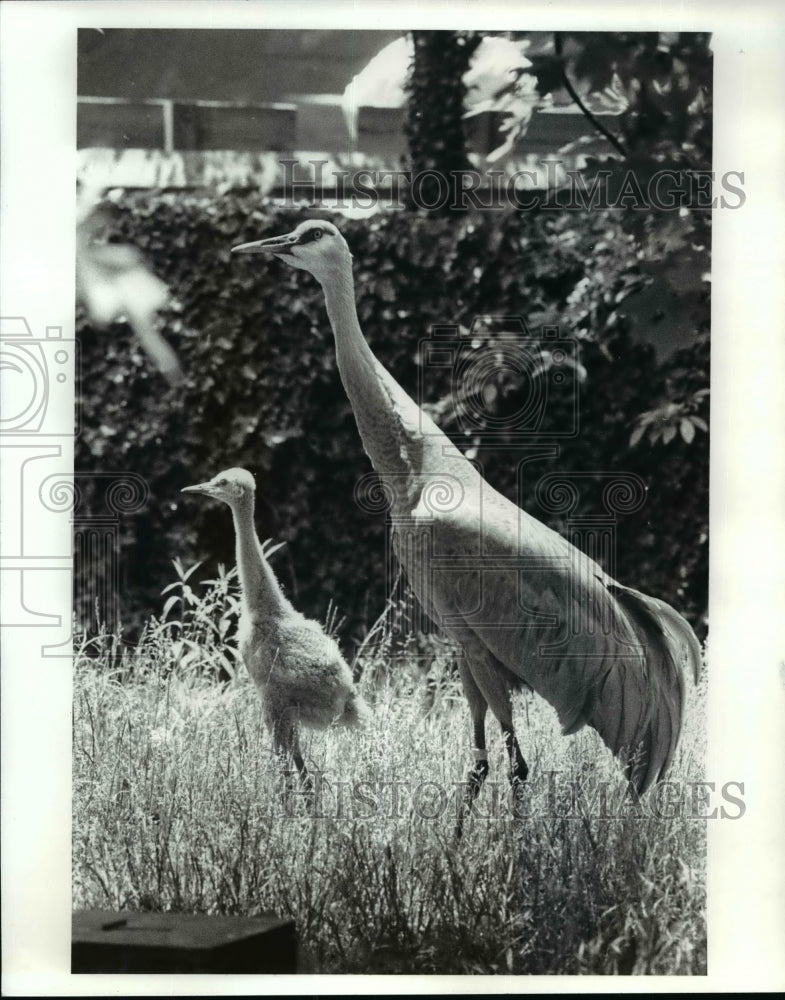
<point x="434" y="119"/>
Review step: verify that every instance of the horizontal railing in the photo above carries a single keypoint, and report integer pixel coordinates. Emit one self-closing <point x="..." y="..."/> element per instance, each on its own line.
<point x="310" y="124"/>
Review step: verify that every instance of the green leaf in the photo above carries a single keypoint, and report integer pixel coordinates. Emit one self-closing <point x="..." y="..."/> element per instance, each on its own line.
<point x="687" y="429"/>
<point x="637" y="434"/>
<point x="170" y="603"/>
<point x="269" y="548"/>
<point x="189" y="573"/>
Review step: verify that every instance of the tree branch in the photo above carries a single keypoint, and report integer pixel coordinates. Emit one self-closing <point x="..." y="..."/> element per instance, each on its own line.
<point x="612" y="139"/>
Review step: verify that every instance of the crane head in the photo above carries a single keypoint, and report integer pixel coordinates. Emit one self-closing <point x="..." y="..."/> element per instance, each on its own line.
<point x="230" y="486"/>
<point x="315" y="246"/>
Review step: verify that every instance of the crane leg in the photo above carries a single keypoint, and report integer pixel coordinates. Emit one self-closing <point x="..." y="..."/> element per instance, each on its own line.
<point x="519" y="769"/>
<point x="478" y="708"/>
<point x="493" y="682"/>
<point x="487" y="683"/>
<point x="480" y="768"/>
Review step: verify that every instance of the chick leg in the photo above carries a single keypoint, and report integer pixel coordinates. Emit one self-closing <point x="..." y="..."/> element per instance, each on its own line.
<point x="287" y="745"/>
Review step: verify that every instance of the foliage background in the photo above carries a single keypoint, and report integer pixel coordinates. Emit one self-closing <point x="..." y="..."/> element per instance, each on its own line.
<point x="262" y="389"/>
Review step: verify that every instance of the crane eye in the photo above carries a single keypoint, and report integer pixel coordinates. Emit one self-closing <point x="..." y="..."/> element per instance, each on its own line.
<point x="317" y="234"/>
<point x="223" y="482"/>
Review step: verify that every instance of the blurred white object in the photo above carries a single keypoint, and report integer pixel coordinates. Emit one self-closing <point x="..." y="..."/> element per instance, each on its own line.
<point x="380" y="84"/>
<point x="498" y="79"/>
<point x="113" y="282"/>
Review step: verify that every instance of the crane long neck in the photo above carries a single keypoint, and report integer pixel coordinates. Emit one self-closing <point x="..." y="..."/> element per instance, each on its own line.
<point x="260" y="588"/>
<point x="375" y="396"/>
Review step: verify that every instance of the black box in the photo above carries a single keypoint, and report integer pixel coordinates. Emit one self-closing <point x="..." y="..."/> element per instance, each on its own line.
<point x="108" y="941"/>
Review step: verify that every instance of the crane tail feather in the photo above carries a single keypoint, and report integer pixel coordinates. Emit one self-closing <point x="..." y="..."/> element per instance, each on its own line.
<point x="638" y="711"/>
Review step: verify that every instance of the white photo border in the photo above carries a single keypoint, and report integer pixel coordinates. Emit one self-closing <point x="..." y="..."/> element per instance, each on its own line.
<point x="746" y="889"/>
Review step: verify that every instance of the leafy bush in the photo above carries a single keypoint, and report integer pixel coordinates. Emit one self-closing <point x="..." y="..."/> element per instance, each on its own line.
<point x="262" y="389"/>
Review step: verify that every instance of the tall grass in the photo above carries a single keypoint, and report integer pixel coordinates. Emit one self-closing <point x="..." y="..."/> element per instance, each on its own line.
<point x="179" y="804"/>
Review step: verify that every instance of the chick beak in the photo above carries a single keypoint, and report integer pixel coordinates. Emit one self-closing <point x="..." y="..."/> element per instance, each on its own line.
<point x="205" y="488"/>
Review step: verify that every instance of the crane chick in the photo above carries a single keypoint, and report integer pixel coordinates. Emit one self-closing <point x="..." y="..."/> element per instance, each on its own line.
<point x="298" y="669"/>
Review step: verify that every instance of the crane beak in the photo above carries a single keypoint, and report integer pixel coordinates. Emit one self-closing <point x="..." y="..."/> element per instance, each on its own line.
<point x="205" y="488"/>
<point x="277" y="245"/>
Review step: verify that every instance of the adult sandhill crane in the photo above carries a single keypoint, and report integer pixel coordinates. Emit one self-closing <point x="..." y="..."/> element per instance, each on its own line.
<point x="523" y="603"/>
<point x="298" y="669"/>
